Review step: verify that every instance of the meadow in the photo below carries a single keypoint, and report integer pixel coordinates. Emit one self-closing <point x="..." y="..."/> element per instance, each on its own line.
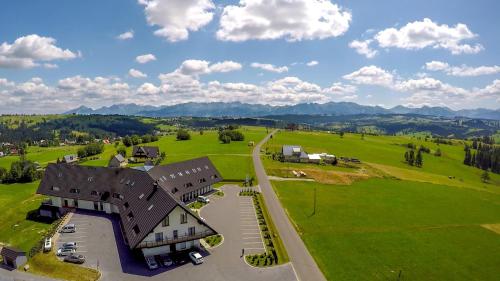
<point x="373" y="229"/>
<point x="426" y="223"/>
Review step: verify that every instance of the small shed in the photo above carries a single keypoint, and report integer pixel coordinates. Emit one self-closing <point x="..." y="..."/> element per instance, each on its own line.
<point x="12" y="257"/>
<point x="70" y="159"/>
<point x="117" y="161"/>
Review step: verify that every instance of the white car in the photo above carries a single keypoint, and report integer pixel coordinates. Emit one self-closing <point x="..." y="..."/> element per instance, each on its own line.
<point x="69" y="228"/>
<point x="196" y="257"/>
<point x="62" y="252"/>
<point x="203" y="199"/>
<point x="47" y="245"/>
<point x="150" y="260"/>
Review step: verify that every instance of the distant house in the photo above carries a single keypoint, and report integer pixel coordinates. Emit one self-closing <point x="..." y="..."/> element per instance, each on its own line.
<point x="70" y="159"/>
<point x="1" y="154"/>
<point x="12" y="257"/>
<point x="318" y="157"/>
<point x="150" y="152"/>
<point x="294" y="153"/>
<point x="14" y="151"/>
<point x="117" y="161"/>
<point x="314" y="158"/>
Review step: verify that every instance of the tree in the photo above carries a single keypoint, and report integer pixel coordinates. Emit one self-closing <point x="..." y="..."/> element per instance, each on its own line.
<point x="468" y="157"/>
<point x="438" y="152"/>
<point x="341" y="134"/>
<point x="485" y="177"/>
<point x="411" y="157"/>
<point x="419" y="161"/>
<point x="225" y="139"/>
<point x="3" y="173"/>
<point x="135" y="139"/>
<point x="407" y="157"/>
<point x="127" y="141"/>
<point x="146" y="139"/>
<point x="122" y="150"/>
<point x="473" y="160"/>
<point x="183" y="135"/>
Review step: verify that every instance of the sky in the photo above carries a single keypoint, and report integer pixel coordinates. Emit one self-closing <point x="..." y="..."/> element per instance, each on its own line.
<point x="58" y="55"/>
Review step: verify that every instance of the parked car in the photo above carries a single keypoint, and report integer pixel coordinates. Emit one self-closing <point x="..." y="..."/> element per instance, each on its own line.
<point x="69" y="228"/>
<point x="166" y="260"/>
<point x="75" y="258"/>
<point x="151" y="262"/>
<point x="196" y="257"/>
<point x="203" y="199"/>
<point x="69" y="245"/>
<point x="47" y="245"/>
<point x="62" y="252"/>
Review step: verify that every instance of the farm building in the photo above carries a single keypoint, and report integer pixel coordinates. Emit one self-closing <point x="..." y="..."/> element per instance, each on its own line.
<point x="294" y="153"/>
<point x="70" y="159"/>
<point x="145" y="152"/>
<point x="149" y="200"/>
<point x="117" y="161"/>
<point x="12" y="257"/>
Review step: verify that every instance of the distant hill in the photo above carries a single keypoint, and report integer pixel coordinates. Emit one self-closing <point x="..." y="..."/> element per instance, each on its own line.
<point x="237" y="109"/>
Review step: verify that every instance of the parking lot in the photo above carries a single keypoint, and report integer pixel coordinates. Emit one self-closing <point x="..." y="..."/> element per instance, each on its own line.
<point x="250" y="230"/>
<point x="99" y="240"/>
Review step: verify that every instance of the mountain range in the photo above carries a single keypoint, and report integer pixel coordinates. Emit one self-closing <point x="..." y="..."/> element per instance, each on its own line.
<point x="237" y="109"/>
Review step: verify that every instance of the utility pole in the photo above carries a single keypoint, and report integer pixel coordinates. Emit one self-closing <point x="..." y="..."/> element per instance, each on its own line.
<point x="314" y="210"/>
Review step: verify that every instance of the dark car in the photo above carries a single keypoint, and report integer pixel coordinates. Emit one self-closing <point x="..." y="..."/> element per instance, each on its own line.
<point x="74" y="258"/>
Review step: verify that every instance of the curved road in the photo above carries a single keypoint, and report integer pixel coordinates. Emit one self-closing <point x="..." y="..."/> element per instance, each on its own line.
<point x="302" y="261"/>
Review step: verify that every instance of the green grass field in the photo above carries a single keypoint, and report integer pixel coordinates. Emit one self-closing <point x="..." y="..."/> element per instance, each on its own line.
<point x="16" y="200"/>
<point x="373" y="229"/>
<point x="387" y="151"/>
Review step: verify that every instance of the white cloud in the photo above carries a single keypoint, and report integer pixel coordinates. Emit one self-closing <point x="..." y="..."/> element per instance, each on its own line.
<point x="136" y="73"/>
<point x="363" y="48"/>
<point x="463" y="70"/>
<point x="126" y="35"/>
<point x="274" y="19"/>
<point x="145" y="58"/>
<point x="341" y="89"/>
<point x="176" y="18"/>
<point x="371" y="75"/>
<point x="269" y="67"/>
<point x="28" y="51"/>
<point x="199" y="67"/>
<point x="491" y="90"/>
<point x="312" y="63"/>
<point x="50" y="65"/>
<point x="426" y="33"/>
<point x="148" y="89"/>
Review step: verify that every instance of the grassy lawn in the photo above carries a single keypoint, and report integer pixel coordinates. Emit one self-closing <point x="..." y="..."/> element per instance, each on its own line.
<point x="42" y="155"/>
<point x="373" y="229"/>
<point x="213" y="240"/>
<point x="16" y="200"/>
<point x="386" y="153"/>
<point x="47" y="264"/>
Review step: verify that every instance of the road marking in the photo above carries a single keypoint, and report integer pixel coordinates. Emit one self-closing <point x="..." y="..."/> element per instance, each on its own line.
<point x="254" y="248"/>
<point x="258" y="237"/>
<point x="250" y="233"/>
<point x="252" y="242"/>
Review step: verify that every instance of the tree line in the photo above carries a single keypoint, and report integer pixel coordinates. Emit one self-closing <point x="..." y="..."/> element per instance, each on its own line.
<point x="136" y="139"/>
<point x="484" y="156"/>
<point x="21" y="171"/>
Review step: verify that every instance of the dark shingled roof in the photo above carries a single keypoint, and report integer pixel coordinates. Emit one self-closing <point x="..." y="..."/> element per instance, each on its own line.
<point x="138" y="188"/>
<point x="146" y="151"/>
<point x="11" y="253"/>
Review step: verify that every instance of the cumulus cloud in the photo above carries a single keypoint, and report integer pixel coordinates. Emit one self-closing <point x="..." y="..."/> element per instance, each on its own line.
<point x="312" y="63"/>
<point x="363" y="48"/>
<point x="148" y="89"/>
<point x="371" y="75"/>
<point x="199" y="67"/>
<point x="269" y="67"/>
<point x="28" y="51"/>
<point x="126" y="35"/>
<point x="462" y="70"/>
<point x="145" y="58"/>
<point x="292" y="20"/>
<point x="136" y="73"/>
<point x="426" y="33"/>
<point x="176" y="18"/>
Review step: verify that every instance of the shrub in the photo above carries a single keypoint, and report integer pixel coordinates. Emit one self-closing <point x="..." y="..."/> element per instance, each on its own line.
<point x="183" y="135"/>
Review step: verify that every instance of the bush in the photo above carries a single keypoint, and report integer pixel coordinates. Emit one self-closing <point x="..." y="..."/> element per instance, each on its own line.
<point x="127" y="141"/>
<point x="183" y="135"/>
<point x="90" y="150"/>
<point x="226" y="136"/>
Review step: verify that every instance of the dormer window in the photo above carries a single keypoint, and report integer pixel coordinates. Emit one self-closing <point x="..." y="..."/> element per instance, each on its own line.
<point x="95" y="193"/>
<point x="55" y="188"/>
<point x="74" y="190"/>
<point x="130" y="216"/>
<point x="136" y="229"/>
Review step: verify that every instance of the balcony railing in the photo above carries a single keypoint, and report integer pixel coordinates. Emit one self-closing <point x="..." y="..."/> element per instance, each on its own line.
<point x="179" y="239"/>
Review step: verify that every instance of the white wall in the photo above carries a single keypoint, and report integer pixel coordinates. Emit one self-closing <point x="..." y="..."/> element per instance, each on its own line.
<point x="87" y="205"/>
<point x="156" y="251"/>
<point x="56" y="201"/>
<point x="175" y="224"/>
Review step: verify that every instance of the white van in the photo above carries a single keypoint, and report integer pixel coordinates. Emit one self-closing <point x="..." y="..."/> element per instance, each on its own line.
<point x="69" y="228"/>
<point x="47" y="245"/>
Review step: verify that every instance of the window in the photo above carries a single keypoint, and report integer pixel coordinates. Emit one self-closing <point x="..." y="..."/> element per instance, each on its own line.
<point x="186" y="185"/>
<point x="117" y="196"/>
<point x="150" y="207"/>
<point x="214" y="176"/>
<point x="136" y="229"/>
<point x="159" y="237"/>
<point x="55" y="188"/>
<point x="95" y="193"/>
<point x="126" y="205"/>
<point x="74" y="190"/>
<point x="184" y="218"/>
<point x="176" y="234"/>
<point x="130" y="216"/>
<point x="191" y="231"/>
<point x="183" y="245"/>
<point x="165" y="222"/>
<point x="202" y="180"/>
<point x="142" y="195"/>
<point x="90" y="178"/>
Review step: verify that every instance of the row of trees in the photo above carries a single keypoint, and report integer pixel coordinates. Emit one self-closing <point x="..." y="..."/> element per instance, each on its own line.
<point x="135" y="139"/>
<point x="486" y="157"/>
<point x="20" y="171"/>
<point x="414" y="159"/>
<point x="228" y="135"/>
<point x="90" y="149"/>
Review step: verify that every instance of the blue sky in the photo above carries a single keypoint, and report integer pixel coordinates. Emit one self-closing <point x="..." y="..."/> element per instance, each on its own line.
<point x="56" y="55"/>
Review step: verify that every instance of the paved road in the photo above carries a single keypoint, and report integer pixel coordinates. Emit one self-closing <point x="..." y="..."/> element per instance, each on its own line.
<point x="302" y="261"/>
